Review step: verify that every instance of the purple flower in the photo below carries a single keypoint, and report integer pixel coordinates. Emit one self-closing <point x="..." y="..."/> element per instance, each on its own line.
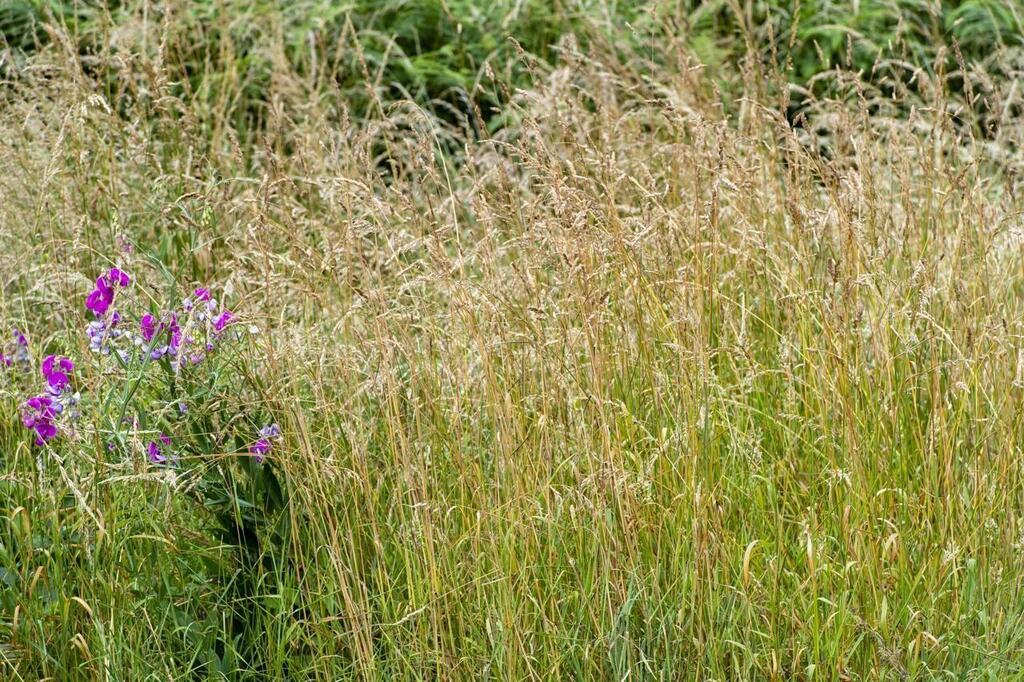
<point x="154" y="451"/>
<point x="222" y="321"/>
<point x="175" y="343"/>
<point x="118" y="278"/>
<point x="148" y="327"/>
<point x="39" y="415"/>
<point x="5" y="361"/>
<point x="56" y="370"/>
<point x="202" y="312"/>
<point x="39" y="403"/>
<point x="259" y="449"/>
<point x="101" y="298"/>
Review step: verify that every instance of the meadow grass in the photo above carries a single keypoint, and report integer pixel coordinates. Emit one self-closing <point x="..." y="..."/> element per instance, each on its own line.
<point x="640" y="385"/>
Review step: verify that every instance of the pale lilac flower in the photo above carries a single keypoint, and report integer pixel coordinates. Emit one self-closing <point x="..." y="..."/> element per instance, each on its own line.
<point x="102" y="331"/>
<point x="270" y="431"/>
<point x="264" y="444"/>
<point x="96" y="330"/>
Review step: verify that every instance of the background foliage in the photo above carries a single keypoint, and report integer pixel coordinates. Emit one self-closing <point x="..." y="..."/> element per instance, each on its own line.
<point x="453" y="54"/>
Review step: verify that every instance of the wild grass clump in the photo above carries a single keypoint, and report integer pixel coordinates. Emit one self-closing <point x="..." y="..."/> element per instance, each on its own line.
<point x="640" y="384"/>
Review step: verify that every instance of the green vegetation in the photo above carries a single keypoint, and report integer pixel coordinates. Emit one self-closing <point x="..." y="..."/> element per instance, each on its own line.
<point x="447" y="55"/>
<point x="644" y="347"/>
<point x="460" y="58"/>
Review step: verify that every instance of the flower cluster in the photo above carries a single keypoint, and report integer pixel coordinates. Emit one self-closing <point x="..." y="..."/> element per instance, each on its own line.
<point x="169" y="330"/>
<point x="104" y="330"/>
<point x="182" y="337"/>
<point x="40" y="416"/>
<point x="264" y="444"/>
<point x="42" y="412"/>
<point x="186" y="335"/>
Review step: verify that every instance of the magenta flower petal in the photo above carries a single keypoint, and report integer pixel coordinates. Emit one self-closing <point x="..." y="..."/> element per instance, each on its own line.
<point x="46" y="431"/>
<point x="147" y="325"/>
<point x="175" y="335"/>
<point x="39" y="415"/>
<point x="118" y="277"/>
<point x="99" y="300"/>
<point x="39" y="402"/>
<point x="56" y="370"/>
<point x="222" y="321"/>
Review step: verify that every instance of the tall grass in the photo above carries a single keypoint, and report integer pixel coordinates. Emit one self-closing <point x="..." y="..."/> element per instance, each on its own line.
<point x="628" y="388"/>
